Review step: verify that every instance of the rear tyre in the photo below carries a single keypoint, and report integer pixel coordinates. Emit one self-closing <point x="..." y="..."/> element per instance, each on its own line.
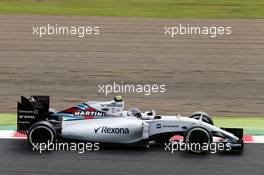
<point x="205" y="117"/>
<point x="197" y="138"/>
<point x="41" y="134"/>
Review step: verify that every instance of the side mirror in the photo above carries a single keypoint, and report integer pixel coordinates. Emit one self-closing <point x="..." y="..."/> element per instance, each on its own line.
<point x="129" y="113"/>
<point x="150" y="113"/>
<point x="153" y="112"/>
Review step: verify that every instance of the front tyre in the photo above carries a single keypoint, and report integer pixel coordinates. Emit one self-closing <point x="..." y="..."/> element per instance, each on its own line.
<point x="198" y="139"/>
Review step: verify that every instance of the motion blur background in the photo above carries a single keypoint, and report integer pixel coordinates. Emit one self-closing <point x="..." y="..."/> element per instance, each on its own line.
<point x="223" y="76"/>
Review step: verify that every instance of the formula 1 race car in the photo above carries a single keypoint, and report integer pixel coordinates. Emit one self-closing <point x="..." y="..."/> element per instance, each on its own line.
<point x="107" y="122"/>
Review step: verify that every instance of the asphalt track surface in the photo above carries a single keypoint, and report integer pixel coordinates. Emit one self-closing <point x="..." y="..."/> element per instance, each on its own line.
<point x="18" y="158"/>
<point x="222" y="76"/>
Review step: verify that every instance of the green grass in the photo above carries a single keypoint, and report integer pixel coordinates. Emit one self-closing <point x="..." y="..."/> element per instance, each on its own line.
<point x="251" y="125"/>
<point x="245" y="122"/>
<point x="144" y="8"/>
<point x="8" y="119"/>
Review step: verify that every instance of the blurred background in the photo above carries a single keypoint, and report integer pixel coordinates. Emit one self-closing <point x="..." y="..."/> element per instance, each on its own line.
<point x="223" y="76"/>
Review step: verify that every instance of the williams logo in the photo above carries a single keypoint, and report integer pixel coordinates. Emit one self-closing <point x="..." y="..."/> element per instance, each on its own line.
<point x="108" y="130"/>
<point x="112" y="105"/>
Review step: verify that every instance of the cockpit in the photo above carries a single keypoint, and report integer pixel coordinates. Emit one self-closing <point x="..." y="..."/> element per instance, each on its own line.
<point x="144" y="116"/>
<point x="135" y="112"/>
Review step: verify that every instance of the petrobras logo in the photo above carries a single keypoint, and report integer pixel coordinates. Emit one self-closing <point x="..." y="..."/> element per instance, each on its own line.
<point x="90" y="113"/>
<point x="109" y="130"/>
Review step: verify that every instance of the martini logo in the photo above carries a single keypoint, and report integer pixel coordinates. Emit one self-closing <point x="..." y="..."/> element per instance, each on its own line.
<point x="108" y="130"/>
<point x="90" y="113"/>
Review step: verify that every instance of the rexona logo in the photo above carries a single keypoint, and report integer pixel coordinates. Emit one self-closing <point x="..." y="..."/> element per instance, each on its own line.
<point x="90" y="113"/>
<point x="108" y="130"/>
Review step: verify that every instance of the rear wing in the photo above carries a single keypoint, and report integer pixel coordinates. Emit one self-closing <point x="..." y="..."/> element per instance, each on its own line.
<point x="31" y="110"/>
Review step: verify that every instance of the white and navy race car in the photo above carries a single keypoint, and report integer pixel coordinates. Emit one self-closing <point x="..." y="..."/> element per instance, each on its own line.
<point x="107" y="122"/>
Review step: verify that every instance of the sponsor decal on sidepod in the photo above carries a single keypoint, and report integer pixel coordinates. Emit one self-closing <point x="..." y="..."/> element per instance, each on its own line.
<point x="90" y="113"/>
<point x="108" y="130"/>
